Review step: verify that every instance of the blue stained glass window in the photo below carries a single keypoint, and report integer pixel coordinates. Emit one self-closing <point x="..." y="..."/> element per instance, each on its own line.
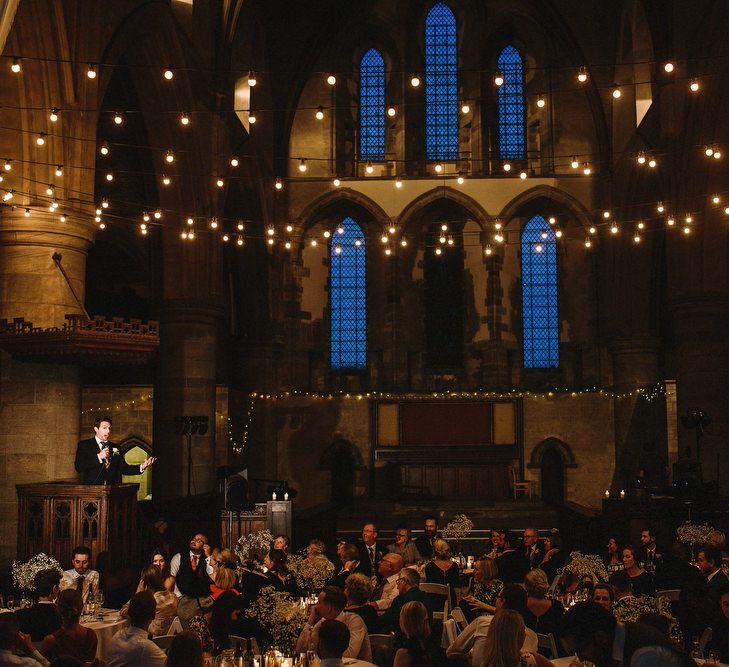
<point x="441" y="84"/>
<point x="348" y="297"/>
<point x="512" y="144"/>
<point x="540" y="313"/>
<point x="372" y="106"/>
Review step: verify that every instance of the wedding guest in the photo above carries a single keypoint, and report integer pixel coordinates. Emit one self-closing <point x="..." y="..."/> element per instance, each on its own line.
<point x="220" y="558"/>
<point x="505" y="640"/>
<point x="414" y="625"/>
<point x="386" y="591"/>
<point x="192" y="570"/>
<point x="71" y="638"/>
<point x="358" y="590"/>
<point x="720" y="636"/>
<point x="159" y="558"/>
<point x="349" y="557"/>
<point x="278" y="572"/>
<point x="282" y="542"/>
<point x="131" y="647"/>
<point x="613" y="559"/>
<point x="316" y="547"/>
<point x="485" y="589"/>
<point x="512" y="564"/>
<point x="185" y="651"/>
<point x="13" y="642"/>
<point x="425" y="542"/>
<point x="165" y="601"/>
<point x="404" y="547"/>
<point x="408" y="586"/>
<point x="369" y="553"/>
<point x="622" y="588"/>
<point x="334" y="638"/>
<point x="543" y="615"/>
<point x="641" y="581"/>
<point x="225" y="580"/>
<point x="81" y="577"/>
<point x="648" y="555"/>
<point x="41" y="619"/>
<point x="222" y="621"/>
<point x="604" y="596"/>
<point x="708" y="561"/>
<point x="442" y="570"/>
<point x="532" y="552"/>
<point x="496" y="543"/>
<point x="554" y="556"/>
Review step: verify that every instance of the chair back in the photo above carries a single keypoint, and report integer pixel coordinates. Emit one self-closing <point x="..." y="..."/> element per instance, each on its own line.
<point x="547" y="646"/>
<point x="163" y="641"/>
<point x="382" y="646"/>
<point x="705" y="638"/>
<point x="449" y="632"/>
<point x="555" y="581"/>
<point x="175" y="626"/>
<point x="672" y="594"/>
<point x="234" y="639"/>
<point x="460" y="618"/>
<point x="435" y="591"/>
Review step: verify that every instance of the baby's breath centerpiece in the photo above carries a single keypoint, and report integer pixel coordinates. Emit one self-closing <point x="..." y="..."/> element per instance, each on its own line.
<point x="311" y="573"/>
<point x="458" y="529"/>
<point x="581" y="565"/>
<point x="693" y="534"/>
<point x="252" y="548"/>
<point x="628" y="610"/>
<point x="24" y="573"/>
<point x="281" y="617"/>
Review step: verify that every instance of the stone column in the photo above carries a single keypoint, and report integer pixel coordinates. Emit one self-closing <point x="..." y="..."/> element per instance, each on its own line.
<point x="185" y="386"/>
<point x="40" y="403"/>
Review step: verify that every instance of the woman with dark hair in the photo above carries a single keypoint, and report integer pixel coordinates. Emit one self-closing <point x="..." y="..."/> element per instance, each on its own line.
<point x="185" y="651"/>
<point x="416" y="629"/>
<point x="72" y="638"/>
<point x="613" y="558"/>
<point x="159" y="558"/>
<point x="641" y="581"/>
<point x="222" y="618"/>
<point x="278" y="572"/>
<point x="554" y="556"/>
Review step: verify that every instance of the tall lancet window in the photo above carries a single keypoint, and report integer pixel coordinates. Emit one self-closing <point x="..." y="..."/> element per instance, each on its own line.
<point x="540" y="313"/>
<point x="441" y="84"/>
<point x="347" y="297"/>
<point x="372" y="106"/>
<point x="512" y="142"/>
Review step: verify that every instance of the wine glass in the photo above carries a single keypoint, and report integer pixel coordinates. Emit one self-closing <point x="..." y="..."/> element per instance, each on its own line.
<point x="11" y="602"/>
<point x="100" y="600"/>
<point x="713" y="658"/>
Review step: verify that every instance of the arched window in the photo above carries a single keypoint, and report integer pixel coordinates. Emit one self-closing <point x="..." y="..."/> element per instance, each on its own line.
<point x="372" y="106"/>
<point x="347" y="297"/>
<point x="512" y="144"/>
<point x="441" y="84"/>
<point x="540" y="314"/>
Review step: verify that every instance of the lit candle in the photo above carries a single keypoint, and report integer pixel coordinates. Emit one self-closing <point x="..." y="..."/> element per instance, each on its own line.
<point x="273" y="496"/>
<point x="607" y="493"/>
<point x="286" y="495"/>
<point x="622" y="494"/>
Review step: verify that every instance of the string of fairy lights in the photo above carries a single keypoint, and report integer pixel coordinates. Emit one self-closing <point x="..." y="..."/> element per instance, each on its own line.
<point x="289" y="237"/>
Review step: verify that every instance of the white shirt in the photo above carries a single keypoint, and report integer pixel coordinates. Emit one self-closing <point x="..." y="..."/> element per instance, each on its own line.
<point x="130" y="648"/>
<point x="359" y="639"/>
<point x="90" y="585"/>
<point x="9" y="658"/>
<point x="111" y="451"/>
<point x="389" y="592"/>
<point x="473" y="638"/>
<point x="175" y="566"/>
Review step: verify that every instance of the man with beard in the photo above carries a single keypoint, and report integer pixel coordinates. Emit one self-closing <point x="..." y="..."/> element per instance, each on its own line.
<point x="425" y="542"/>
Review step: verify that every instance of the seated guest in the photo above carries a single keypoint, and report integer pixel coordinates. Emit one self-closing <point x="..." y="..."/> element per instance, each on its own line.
<point x="424" y="543"/>
<point x="278" y="572"/>
<point x="495" y="543"/>
<point x="130" y="646"/>
<point x="333" y="642"/>
<point x="282" y="542"/>
<point x="192" y="570"/>
<point x="386" y="591"/>
<point x="71" y="638"/>
<point x="622" y="588"/>
<point x="658" y="621"/>
<point x="330" y="606"/>
<point x="404" y="547"/>
<point x="720" y="635"/>
<point x="166" y="601"/>
<point x="358" y="590"/>
<point x="705" y="595"/>
<point x="222" y="622"/>
<point x="531" y="550"/>
<point x="414" y="625"/>
<point x="185" y="651"/>
<point x="81" y="577"/>
<point x="554" y="557"/>
<point x="221" y="558"/>
<point x="613" y="558"/>
<point x="543" y="615"/>
<point x="316" y="547"/>
<point x="512" y="564"/>
<point x="442" y="570"/>
<point x="593" y="634"/>
<point x="369" y="552"/>
<point x="504" y="642"/>
<point x="604" y="596"/>
<point x="159" y="558"/>
<point x="485" y="588"/>
<point x="16" y="647"/>
<point x="473" y="638"/>
<point x="641" y="581"/>
<point x="224" y="581"/>
<point x="648" y="555"/>
<point x="349" y="556"/>
<point x="408" y="586"/>
<point x="42" y="619"/>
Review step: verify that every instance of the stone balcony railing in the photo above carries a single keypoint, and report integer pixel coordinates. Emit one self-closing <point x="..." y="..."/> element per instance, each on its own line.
<point x="81" y="341"/>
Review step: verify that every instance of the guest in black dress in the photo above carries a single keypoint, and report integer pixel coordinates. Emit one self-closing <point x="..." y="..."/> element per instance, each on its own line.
<point x="641" y="581"/>
<point x="554" y="556"/>
<point x="442" y="570"/>
<point x="414" y="652"/>
<point x="278" y="573"/>
<point x="613" y="558"/>
<point x="542" y="615"/>
<point x="358" y="590"/>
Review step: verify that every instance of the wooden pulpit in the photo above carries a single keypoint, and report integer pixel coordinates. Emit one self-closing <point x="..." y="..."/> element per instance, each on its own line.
<point x="55" y="517"/>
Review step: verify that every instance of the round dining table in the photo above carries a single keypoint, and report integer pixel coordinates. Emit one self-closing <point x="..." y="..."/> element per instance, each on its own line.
<point x="105" y="629"/>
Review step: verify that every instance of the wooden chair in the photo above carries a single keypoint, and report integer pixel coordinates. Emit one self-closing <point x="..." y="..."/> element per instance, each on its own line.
<point x="672" y="594"/>
<point x="547" y="646"/>
<point x="440" y="590"/>
<point x="163" y="641"/>
<point x="525" y="486"/>
<point x="460" y="618"/>
<point x="382" y="646"/>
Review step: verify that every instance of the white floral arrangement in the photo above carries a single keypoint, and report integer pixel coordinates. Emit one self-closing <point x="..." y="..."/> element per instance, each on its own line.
<point x="457" y="529"/>
<point x="691" y="533"/>
<point x="311" y="574"/>
<point x="281" y="617"/>
<point x="630" y="609"/>
<point x="582" y="565"/>
<point x="24" y="573"/>
<point x="253" y="547"/>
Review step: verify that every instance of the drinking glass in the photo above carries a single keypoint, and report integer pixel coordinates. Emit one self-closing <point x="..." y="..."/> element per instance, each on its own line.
<point x="713" y="658"/>
<point x="11" y="602"/>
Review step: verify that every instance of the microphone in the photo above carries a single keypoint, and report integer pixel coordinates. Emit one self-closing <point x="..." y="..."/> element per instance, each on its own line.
<point x="107" y="460"/>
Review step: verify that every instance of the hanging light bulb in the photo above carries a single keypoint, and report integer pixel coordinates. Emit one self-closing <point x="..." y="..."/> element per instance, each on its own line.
<point x="118" y="118"/>
<point x="104" y="149"/>
<point x="63" y="217"/>
<point x="98" y="211"/>
<point x="49" y="190"/>
<point x="465" y="108"/>
<point x="252" y="79"/>
<point x="499" y="238"/>
<point x="240" y="226"/>
<point x="507" y="166"/>
<point x="438" y="251"/>
<point x="499" y="78"/>
<point x="40" y="140"/>
<point x="592" y="230"/>
<point x="641" y="225"/>
<point x="169" y="157"/>
<point x="8" y="195"/>
<point x="169" y="74"/>
<point x="616" y="92"/>
<point x="252" y="118"/>
<point x="586" y="169"/>
<point x="538" y="247"/>
<point x="497" y="225"/>
<point x="688" y="219"/>
<point x="687" y="230"/>
<point x="450" y="240"/>
<point x="398" y="182"/>
<point x="8" y="166"/>
<point x="415" y="81"/>
<point x="319" y="113"/>
<point x="715" y="199"/>
<point x="392" y="229"/>
<point x="652" y="163"/>
<point x="331" y="80"/>
<point x="270" y="231"/>
<point x="104" y="203"/>
<point x="340" y="229"/>
<point x="184" y="119"/>
<point x="694" y="86"/>
<point x="709" y="151"/>
<point x="582" y="74"/>
<point x="326" y="234"/>
<point x="522" y="175"/>
<point x="544" y="234"/>
<point x="109" y="177"/>
<point x="157" y="214"/>
<point x="145" y="216"/>
<point x="190" y="221"/>
<point x="541" y="101"/>
<point x="460" y="180"/>
<point x="302" y="165"/>
<point x="15" y="67"/>
<point x="388" y="251"/>
<point x="338" y="249"/>
<point x="588" y="242"/>
<point x="144" y="231"/>
<point x="660" y="208"/>
<point x="368" y="167"/>
<point x="190" y="235"/>
<point x="336" y="182"/>
<point x="234" y="162"/>
<point x="614" y="228"/>
<point x="313" y="242"/>
<point x="641" y="158"/>
<point x="391" y="111"/>
<point x="54" y="115"/>
<point x="59" y="170"/>
<point x="487" y="250"/>
<point x="219" y="182"/>
<point x="668" y="67"/>
<point x="717" y="153"/>
<point x="404" y="242"/>
<point x="102" y="225"/>
<point x="289" y="228"/>
<point x="225" y="238"/>
<point x="213" y="223"/>
<point x="574" y="164"/>
<point x="384" y="238"/>
<point x="278" y="184"/>
<point x="636" y="238"/>
<point x="166" y="180"/>
<point x="91" y="71"/>
<point x="552" y="220"/>
<point x="287" y="245"/>
<point x="606" y="215"/>
<point x="438" y="168"/>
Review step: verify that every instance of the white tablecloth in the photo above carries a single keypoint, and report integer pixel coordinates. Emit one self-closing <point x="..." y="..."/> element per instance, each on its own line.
<point x="105" y="630"/>
<point x="564" y="662"/>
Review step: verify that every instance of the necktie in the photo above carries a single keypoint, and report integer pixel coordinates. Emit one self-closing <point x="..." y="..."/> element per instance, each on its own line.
<point x="372" y="556"/>
<point x="80" y="583"/>
<point x="193" y="562"/>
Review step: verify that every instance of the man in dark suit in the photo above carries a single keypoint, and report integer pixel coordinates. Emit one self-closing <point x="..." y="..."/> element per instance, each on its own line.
<point x="513" y="566"/>
<point x="532" y="552"/>
<point x="708" y="561"/>
<point x="41" y="619"/>
<point x="408" y="586"/>
<point x="98" y="459"/>
<point x="351" y="562"/>
<point x="648" y="553"/>
<point x="369" y="553"/>
<point x="424" y="542"/>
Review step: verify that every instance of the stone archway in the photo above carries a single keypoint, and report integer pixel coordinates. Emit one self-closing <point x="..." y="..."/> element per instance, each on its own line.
<point x="135" y="450"/>
<point x="552" y="456"/>
<point x="343" y="460"/>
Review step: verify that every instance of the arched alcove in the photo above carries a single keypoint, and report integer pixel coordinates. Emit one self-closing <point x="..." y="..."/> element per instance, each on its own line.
<point x="552" y="456"/>
<point x="135" y="450"/>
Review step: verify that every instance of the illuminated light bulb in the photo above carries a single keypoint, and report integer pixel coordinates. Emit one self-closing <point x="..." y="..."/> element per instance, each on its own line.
<point x="499" y="238"/>
<point x="538" y="247"/>
<point x="327" y="234"/>
<point x="104" y="150"/>
<point x="641" y="225"/>
<point x="717" y="154"/>
<point x="166" y="180"/>
<point x="219" y="182"/>
<point x="384" y="238"/>
<point x="302" y="165"/>
<point x="668" y="67"/>
<point x="369" y="168"/>
<point x="336" y="182"/>
<point x="670" y="222"/>
<point x="694" y="86"/>
<point x="234" y="162"/>
<point x="252" y="118"/>
<point x="59" y="170"/>
<point x="41" y="139"/>
<point x="15" y="67"/>
<point x="641" y="158"/>
<point x="338" y="249"/>
<point x="8" y="165"/>
<point x="240" y="226"/>
<point x="169" y="157"/>
<point x="574" y="164"/>
<point x="157" y="214"/>
<point x="54" y="115"/>
<point x="391" y="111"/>
<point x="287" y="245"/>
<point x="465" y="108"/>
<point x="415" y="81"/>
<point x="142" y="226"/>
<point x="270" y="231"/>
<point x="392" y="229"/>
<point x="687" y="230"/>
<point x="358" y="242"/>
<point x="144" y="231"/>
<point x="63" y="217"/>
<point x="606" y="215"/>
<point x="340" y="229"/>
<point x="398" y="183"/>
<point x="616" y="92"/>
<point x="49" y="190"/>
<point x="27" y="213"/>
<point x="91" y="71"/>
<point x="726" y="210"/>
<point x="289" y="228"/>
<point x="587" y="171"/>
<point x="184" y="119"/>
<point x="487" y="250"/>
<point x="497" y="225"/>
<point x="252" y="79"/>
<point x="499" y="78"/>
<point x="438" y="168"/>
<point x="109" y="177"/>
<point x="98" y="211"/>
<point x="191" y="235"/>
<point x="118" y="118"/>
<point x="319" y="113"/>
<point x="226" y="238"/>
<point x="438" y="251"/>
<point x="541" y="102"/>
<point x="652" y="163"/>
<point x="523" y="175"/>
<point x="102" y="226"/>
<point x="313" y="242"/>
<point x="278" y="184"/>
<point x="613" y="228"/>
<point x="544" y="234"/>
<point x="183" y="235"/>
<point x="558" y="233"/>
<point x="689" y="219"/>
<point x="169" y="74"/>
<point x="271" y="241"/>
<point x="145" y="217"/>
<point x="507" y="166"/>
<point x="708" y="151"/>
<point x="190" y="221"/>
<point x="388" y="251"/>
<point x="552" y="220"/>
<point x="636" y="238"/>
<point x="660" y="208"/>
<point x="582" y="75"/>
<point x="715" y="199"/>
<point x="444" y="227"/>
<point x="450" y="241"/>
<point x="331" y="80"/>
<point x="460" y="180"/>
<point x="592" y="230"/>
<point x="588" y="243"/>
<point x="213" y="223"/>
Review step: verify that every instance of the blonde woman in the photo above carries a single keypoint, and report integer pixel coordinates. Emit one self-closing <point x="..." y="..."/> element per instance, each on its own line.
<point x="416" y="629"/>
<point x="442" y="570"/>
<point x="504" y="642"/>
<point x="225" y="580"/>
<point x="542" y="615"/>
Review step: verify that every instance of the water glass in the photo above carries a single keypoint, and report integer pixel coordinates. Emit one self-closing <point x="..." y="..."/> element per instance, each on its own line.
<point x="11" y="602"/>
<point x="713" y="659"/>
